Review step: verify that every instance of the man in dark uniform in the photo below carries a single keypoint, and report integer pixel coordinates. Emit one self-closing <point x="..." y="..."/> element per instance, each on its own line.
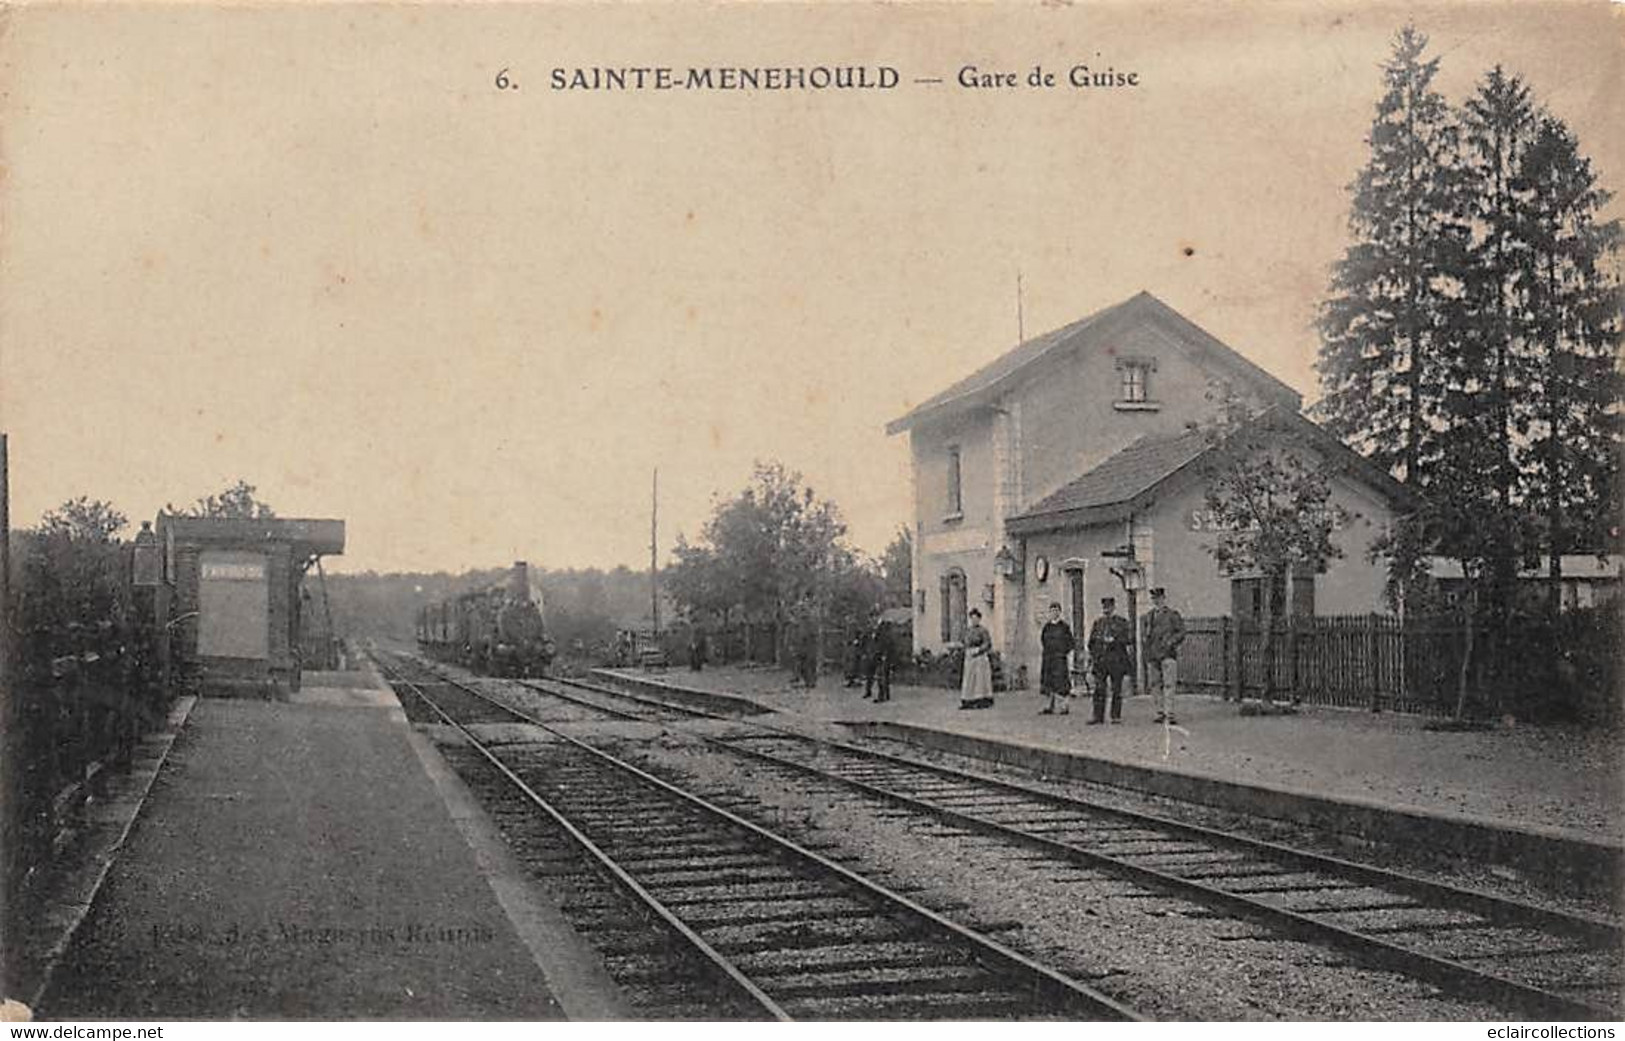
<point x="857" y="660"/>
<point x="882" y="651"/>
<point x="1054" y="677"/>
<point x="804" y="634"/>
<point x="697" y="649"/>
<point x="1111" y="657"/>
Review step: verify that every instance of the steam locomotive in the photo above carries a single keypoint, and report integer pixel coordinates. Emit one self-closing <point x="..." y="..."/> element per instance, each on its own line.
<point x="497" y="630"/>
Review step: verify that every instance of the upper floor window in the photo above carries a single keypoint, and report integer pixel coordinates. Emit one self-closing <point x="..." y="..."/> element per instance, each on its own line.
<point x="1134" y="380"/>
<point x="956" y="502"/>
<point x="1134" y="391"/>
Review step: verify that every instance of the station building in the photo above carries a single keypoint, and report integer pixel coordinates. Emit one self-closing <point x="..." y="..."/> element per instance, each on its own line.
<point x="232" y="594"/>
<point x="1034" y="475"/>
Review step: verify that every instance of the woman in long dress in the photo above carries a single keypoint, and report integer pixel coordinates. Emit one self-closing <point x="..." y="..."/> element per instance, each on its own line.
<point x="976" y="685"/>
<point x="1054" y="677"/>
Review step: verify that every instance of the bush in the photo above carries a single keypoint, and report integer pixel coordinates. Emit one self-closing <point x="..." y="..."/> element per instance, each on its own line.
<point x="1562" y="672"/>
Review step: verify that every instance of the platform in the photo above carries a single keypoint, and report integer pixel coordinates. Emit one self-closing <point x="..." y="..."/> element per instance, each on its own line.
<point x="297" y="860"/>
<point x="1543" y="800"/>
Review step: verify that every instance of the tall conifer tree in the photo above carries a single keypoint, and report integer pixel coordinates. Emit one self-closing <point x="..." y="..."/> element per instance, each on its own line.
<point x="1571" y="305"/>
<point x="1385" y="323"/>
<point x="1494" y="371"/>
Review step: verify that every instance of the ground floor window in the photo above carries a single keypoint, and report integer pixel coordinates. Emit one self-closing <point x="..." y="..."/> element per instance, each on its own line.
<point x="954" y="606"/>
<point x="1247" y="597"/>
<point x="1080" y="601"/>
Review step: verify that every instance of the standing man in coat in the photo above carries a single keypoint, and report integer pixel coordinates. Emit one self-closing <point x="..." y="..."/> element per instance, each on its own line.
<point x="1111" y="657"/>
<point x="1164" y="631"/>
<point x="882" y="656"/>
<point x="697" y="649"/>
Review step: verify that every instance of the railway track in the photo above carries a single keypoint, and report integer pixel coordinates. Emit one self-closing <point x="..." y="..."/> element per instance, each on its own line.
<point x="1534" y="960"/>
<point x="778" y="929"/>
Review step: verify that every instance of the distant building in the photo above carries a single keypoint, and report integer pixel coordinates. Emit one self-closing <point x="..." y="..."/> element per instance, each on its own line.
<point x="1030" y="472"/>
<point x="1588" y="579"/>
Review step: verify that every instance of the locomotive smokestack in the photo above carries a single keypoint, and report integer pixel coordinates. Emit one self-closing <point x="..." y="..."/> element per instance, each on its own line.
<point x="519" y="580"/>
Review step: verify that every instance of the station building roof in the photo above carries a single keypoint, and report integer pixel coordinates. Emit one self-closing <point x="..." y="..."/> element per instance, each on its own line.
<point x="1094" y="331"/>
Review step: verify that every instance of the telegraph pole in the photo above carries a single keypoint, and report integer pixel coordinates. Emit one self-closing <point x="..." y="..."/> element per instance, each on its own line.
<point x="10" y="772"/>
<point x="654" y="543"/>
<point x="1021" y="323"/>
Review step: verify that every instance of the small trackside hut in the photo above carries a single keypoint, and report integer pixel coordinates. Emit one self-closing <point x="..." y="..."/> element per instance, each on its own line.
<point x="234" y="604"/>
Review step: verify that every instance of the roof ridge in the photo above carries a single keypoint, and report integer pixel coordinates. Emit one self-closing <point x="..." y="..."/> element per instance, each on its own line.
<point x="988" y="373"/>
<point x="1007" y="365"/>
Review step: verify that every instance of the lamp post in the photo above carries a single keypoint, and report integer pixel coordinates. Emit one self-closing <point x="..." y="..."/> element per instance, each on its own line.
<point x="1131" y="574"/>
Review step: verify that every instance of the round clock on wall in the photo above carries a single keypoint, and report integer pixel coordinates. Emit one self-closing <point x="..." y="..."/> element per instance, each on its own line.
<point x="1041" y="568"/>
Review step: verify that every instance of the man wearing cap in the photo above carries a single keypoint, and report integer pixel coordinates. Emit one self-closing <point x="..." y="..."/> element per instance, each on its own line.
<point x="1164" y="631"/>
<point x="1111" y="657"/>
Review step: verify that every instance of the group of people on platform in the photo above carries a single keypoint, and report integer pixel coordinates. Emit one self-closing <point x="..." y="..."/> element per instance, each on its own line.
<point x="1109" y="648"/>
<point x="873" y="657"/>
<point x="1111" y="657"/>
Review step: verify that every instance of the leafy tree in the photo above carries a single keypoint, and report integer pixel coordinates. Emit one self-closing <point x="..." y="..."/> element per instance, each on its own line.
<point x="857" y="590"/>
<point x="72" y="593"/>
<point x="775" y="553"/>
<point x="238" y="500"/>
<point x="1269" y="491"/>
<point x="699" y="581"/>
<point x="897" y="568"/>
<point x="1387" y="321"/>
<point x="84" y="520"/>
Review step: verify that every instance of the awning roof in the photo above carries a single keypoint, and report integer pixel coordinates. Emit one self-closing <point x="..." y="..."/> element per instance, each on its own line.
<point x="309" y="534"/>
<point x="1127" y="481"/>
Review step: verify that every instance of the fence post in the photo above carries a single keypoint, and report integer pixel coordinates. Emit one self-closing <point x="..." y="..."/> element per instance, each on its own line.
<point x="1237" y="678"/>
<point x="1292" y="657"/>
<point x="1373" y="671"/>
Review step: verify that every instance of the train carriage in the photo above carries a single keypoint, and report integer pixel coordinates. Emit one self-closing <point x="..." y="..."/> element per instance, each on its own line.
<point x="499" y="630"/>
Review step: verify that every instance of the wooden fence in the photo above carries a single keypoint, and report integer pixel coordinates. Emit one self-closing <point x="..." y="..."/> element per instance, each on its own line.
<point x="1349" y="661"/>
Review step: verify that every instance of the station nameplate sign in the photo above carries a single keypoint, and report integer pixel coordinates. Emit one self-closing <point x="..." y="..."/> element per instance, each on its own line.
<point x="241" y="571"/>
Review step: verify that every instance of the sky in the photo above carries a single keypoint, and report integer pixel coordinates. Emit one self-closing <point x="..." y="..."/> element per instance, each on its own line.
<point x="318" y="248"/>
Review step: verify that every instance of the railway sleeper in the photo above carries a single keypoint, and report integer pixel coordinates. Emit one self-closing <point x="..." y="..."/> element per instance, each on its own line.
<point x="990" y="1004"/>
<point x="749" y="939"/>
<point x="661" y="865"/>
<point x="1024" y="819"/>
<point x="770" y="914"/>
<point x="911" y="979"/>
<point x="843" y="957"/>
<point x="1050" y="826"/>
<point x="797" y="888"/>
<point x="1254" y="870"/>
<point x="1291" y="884"/>
<point x="695" y="875"/>
<point x="1194" y="858"/>
<point x="1352" y="898"/>
<point x="634" y="827"/>
<point x="698" y="850"/>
